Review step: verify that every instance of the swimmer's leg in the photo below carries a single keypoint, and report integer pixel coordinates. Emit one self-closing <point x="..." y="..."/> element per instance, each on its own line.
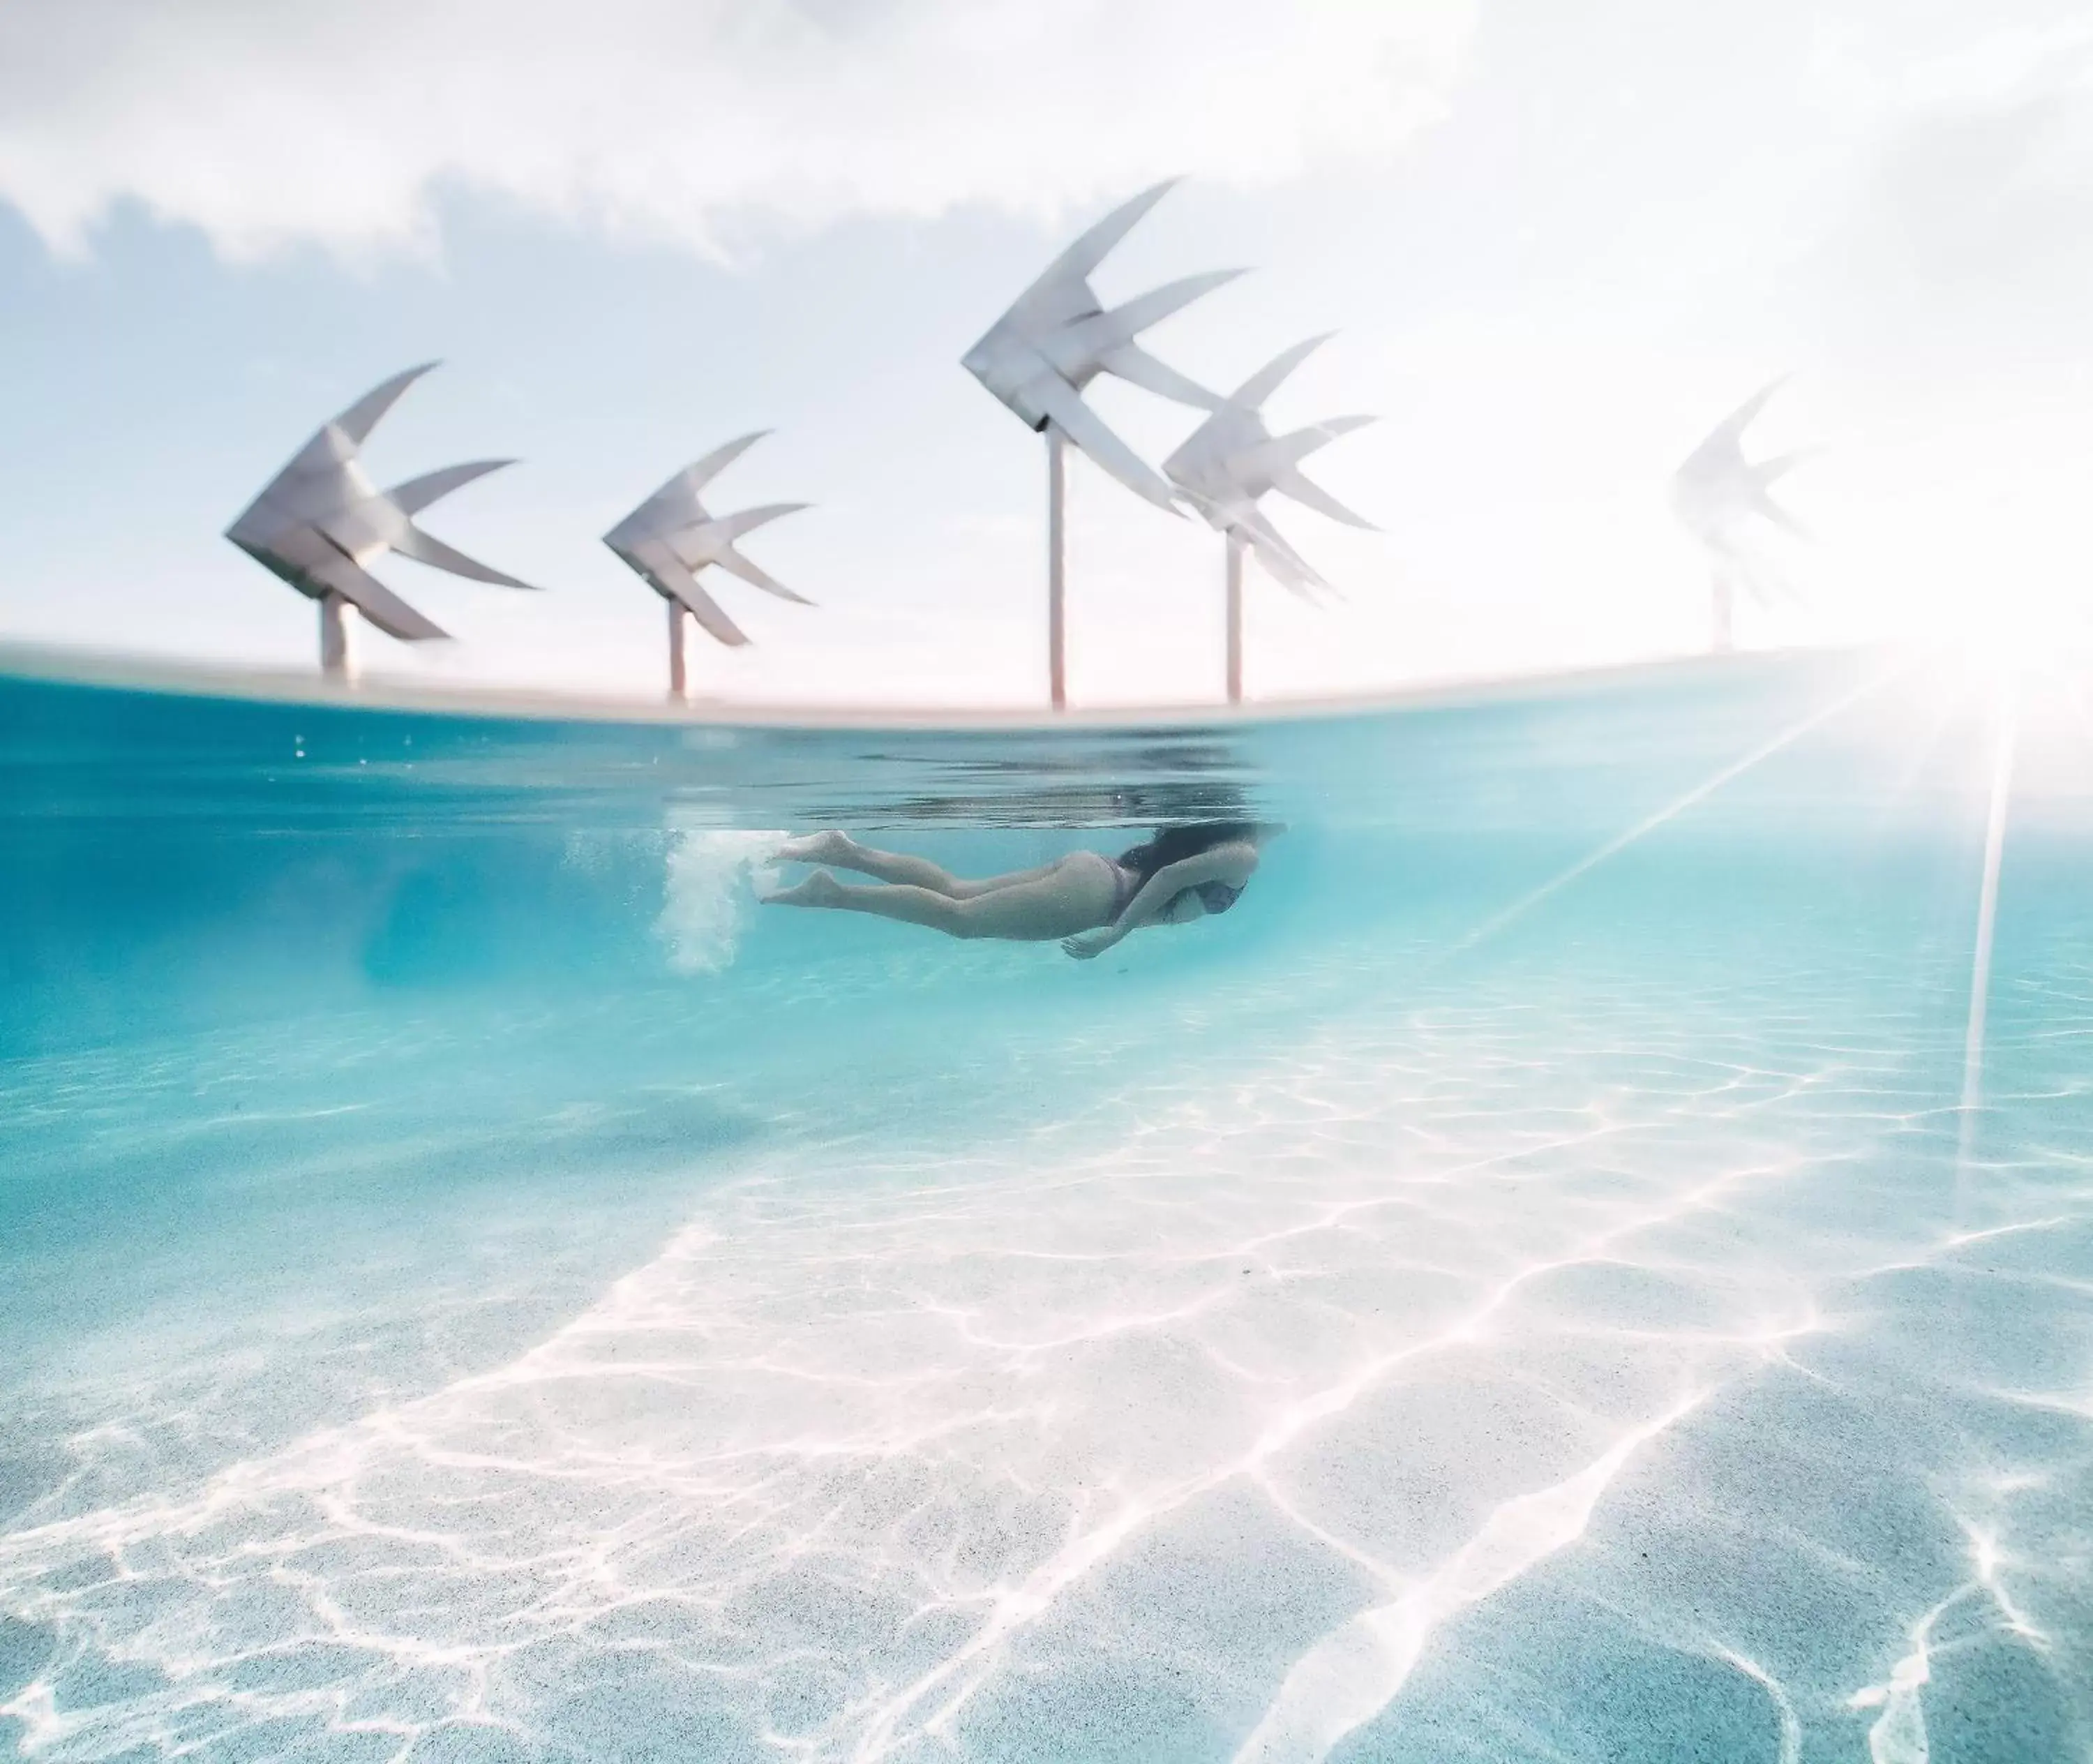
<point x="902" y="900"/>
<point x="1055" y="906"/>
<point x="844" y="852"/>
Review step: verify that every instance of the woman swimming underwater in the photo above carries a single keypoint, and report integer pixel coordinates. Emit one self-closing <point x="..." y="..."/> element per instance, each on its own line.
<point x="1087" y="900"/>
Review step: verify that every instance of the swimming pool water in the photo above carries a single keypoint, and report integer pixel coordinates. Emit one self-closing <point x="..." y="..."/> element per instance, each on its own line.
<point x="1569" y="1268"/>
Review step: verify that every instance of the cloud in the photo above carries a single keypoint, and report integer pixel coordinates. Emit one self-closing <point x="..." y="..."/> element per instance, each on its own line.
<point x="1979" y="185"/>
<point x="271" y="123"/>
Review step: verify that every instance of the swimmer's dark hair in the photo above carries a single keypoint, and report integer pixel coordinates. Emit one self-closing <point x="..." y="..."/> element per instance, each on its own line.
<point x="1173" y="845"/>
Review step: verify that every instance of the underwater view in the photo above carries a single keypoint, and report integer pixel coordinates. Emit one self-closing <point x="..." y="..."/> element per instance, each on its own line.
<point x="1590" y="1258"/>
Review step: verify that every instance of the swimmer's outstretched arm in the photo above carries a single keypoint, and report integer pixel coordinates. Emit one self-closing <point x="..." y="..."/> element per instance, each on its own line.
<point x="1233" y="864"/>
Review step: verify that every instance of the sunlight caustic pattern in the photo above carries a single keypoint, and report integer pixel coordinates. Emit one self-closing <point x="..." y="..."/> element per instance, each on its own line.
<point x="1199" y="1420"/>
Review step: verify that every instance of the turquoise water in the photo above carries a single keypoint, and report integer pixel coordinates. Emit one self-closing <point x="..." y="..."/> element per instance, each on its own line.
<point x="1552" y="1275"/>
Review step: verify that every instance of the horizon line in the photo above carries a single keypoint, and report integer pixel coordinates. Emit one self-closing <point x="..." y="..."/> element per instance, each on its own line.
<point x="59" y="663"/>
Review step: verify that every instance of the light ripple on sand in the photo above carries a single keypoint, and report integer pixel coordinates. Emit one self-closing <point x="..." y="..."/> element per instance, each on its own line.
<point x="1369" y="1337"/>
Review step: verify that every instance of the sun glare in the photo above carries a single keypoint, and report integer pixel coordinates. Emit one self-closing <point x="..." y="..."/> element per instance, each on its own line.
<point x="2026" y="624"/>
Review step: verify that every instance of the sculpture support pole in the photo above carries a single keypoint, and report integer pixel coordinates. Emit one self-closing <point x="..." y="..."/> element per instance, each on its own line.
<point x="1725" y="638"/>
<point x="338" y="638"/>
<point x="1235" y="619"/>
<point x="679" y="651"/>
<point x="1057" y="565"/>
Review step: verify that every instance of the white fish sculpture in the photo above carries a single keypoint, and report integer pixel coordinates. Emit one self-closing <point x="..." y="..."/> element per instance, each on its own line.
<point x="321" y="524"/>
<point x="671" y="539"/>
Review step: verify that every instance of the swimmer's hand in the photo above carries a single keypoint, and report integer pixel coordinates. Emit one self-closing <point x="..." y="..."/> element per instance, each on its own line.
<point x="1087" y="945"/>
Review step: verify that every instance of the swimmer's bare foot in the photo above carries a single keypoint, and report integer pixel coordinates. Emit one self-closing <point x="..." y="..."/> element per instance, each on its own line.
<point x="829" y="847"/>
<point x="819" y="889"/>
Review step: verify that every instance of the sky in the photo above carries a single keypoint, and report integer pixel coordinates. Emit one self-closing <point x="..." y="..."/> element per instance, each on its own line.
<point x="1556" y="245"/>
